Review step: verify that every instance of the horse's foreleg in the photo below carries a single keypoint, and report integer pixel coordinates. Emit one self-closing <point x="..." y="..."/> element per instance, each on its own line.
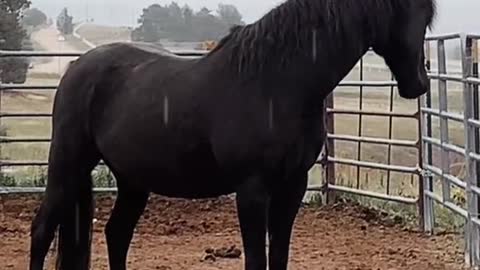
<point x="283" y="209"/>
<point x="252" y="203"/>
<point x="128" y="208"/>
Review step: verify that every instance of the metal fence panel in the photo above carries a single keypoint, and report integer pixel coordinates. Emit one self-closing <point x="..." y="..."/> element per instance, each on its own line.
<point x="469" y="150"/>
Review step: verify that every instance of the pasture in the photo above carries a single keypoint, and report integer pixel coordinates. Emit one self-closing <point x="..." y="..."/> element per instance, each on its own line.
<point x="101" y="34"/>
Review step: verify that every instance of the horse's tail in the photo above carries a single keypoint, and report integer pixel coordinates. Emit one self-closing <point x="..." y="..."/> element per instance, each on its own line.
<point x="68" y="202"/>
<point x="75" y="233"/>
<point x="72" y="157"/>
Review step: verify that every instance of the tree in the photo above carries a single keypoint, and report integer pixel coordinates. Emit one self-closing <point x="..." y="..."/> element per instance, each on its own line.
<point x="151" y="23"/>
<point x="208" y="26"/>
<point x="183" y="24"/>
<point x="175" y="11"/>
<point x="12" y="37"/>
<point x="34" y="17"/>
<point x="65" y="22"/>
<point x="11" y="31"/>
<point x="229" y="15"/>
<point x="187" y="13"/>
<point x="204" y="12"/>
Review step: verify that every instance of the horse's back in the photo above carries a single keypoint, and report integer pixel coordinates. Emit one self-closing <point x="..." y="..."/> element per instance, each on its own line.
<point x="140" y="107"/>
<point x="98" y="70"/>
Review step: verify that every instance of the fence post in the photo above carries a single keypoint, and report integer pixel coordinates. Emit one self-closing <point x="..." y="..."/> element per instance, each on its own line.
<point x="2" y="216"/>
<point x="1" y="114"/>
<point x="426" y="180"/>
<point x="360" y="123"/>
<point x="476" y="108"/>
<point x="443" y="107"/>
<point x="471" y="230"/>
<point x="330" y="148"/>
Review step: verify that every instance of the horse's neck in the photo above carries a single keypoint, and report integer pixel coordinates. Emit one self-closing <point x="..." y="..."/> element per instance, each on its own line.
<point x="330" y="62"/>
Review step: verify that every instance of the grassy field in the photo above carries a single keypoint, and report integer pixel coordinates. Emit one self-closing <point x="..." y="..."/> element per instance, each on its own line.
<point x="100" y="34"/>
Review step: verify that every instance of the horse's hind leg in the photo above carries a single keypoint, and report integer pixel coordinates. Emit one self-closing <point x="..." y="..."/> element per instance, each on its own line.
<point x="283" y="208"/>
<point x="128" y="208"/>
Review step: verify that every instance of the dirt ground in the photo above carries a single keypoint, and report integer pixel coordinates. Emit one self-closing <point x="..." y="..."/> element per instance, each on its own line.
<point x="175" y="234"/>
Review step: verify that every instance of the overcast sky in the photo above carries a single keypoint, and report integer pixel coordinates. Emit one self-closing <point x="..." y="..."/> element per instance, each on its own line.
<point x="454" y="15"/>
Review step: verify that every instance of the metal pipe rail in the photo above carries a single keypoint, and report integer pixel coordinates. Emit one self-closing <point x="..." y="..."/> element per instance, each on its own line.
<point x="371" y="113"/>
<point x="452" y="116"/>
<point x="457" y="209"/>
<point x="445" y="77"/>
<point x="444" y="145"/>
<point x="24" y="115"/>
<point x="373" y="165"/>
<point x="23" y="163"/>
<point x="371" y="140"/>
<point x="473" y="36"/>
<point x="34" y="190"/>
<point x="372" y="194"/>
<point x="5" y="87"/>
<point x="367" y="83"/>
<point x="7" y="53"/>
<point x="4" y="139"/>
<point x="454" y="180"/>
<point x="447" y="36"/>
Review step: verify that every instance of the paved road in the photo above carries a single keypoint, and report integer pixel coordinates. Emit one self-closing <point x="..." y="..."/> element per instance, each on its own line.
<point x="48" y="38"/>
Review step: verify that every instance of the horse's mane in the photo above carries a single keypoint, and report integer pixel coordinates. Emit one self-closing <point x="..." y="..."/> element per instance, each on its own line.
<point x="288" y="28"/>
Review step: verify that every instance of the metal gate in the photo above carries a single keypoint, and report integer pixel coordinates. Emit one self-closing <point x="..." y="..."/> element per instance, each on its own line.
<point x="441" y="147"/>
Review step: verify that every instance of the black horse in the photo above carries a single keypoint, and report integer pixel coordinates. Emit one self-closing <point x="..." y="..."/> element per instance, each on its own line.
<point x="247" y="118"/>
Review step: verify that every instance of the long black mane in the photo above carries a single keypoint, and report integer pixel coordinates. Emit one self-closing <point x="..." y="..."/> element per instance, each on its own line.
<point x="293" y="25"/>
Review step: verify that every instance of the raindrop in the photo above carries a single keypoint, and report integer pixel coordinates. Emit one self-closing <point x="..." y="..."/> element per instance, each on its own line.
<point x="165" y="110"/>
<point x="270" y="113"/>
<point x="314" y="45"/>
<point x="77" y="225"/>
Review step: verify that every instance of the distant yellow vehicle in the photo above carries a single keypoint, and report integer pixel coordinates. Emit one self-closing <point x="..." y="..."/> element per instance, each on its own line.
<point x="208" y="45"/>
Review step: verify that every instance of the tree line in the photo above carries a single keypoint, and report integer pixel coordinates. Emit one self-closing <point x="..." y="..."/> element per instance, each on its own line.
<point x="177" y="23"/>
<point x="15" y="19"/>
<point x="12" y="32"/>
<point x="65" y="22"/>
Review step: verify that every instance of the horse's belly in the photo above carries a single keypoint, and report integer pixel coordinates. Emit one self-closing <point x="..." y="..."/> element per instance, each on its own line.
<point x="174" y="171"/>
<point x="190" y="183"/>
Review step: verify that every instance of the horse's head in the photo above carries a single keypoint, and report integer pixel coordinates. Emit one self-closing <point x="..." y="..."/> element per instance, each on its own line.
<point x="402" y="46"/>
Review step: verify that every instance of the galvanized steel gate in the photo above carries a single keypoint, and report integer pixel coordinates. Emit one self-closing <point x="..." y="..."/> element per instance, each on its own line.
<point x="468" y="118"/>
<point x="423" y="171"/>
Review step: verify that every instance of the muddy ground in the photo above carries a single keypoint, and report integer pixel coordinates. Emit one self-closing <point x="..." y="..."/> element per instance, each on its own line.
<point x="175" y="234"/>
